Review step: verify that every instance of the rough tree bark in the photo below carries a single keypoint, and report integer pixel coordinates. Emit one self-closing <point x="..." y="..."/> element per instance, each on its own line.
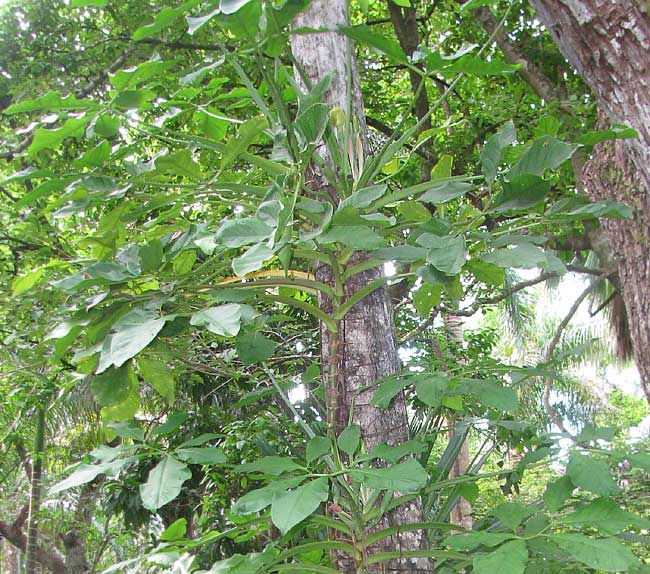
<point x="367" y="349"/>
<point x="35" y="494"/>
<point x="608" y="43"/>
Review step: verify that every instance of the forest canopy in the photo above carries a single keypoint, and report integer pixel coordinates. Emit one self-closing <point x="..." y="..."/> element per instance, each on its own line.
<point x="343" y="286"/>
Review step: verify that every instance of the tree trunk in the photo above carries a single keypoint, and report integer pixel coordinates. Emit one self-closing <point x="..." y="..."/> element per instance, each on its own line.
<point x="608" y="43"/>
<point x="35" y="494"/>
<point x="461" y="513"/>
<point x="365" y="349"/>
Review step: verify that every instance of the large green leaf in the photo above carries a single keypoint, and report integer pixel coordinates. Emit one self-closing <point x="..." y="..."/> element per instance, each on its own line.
<point x="158" y="375"/>
<point x="317" y="447"/>
<point x="378" y="42"/>
<point x="591" y="474"/>
<point x="130" y="335"/>
<point x="522" y="192"/>
<point x="605" y="515"/>
<point x="354" y="236"/>
<point x="406" y="253"/>
<point x="447" y="253"/>
<point x="50" y="102"/>
<point x="274" y="465"/>
<point x="221" y="320"/>
<point x="52" y="139"/>
<point x="546" y="153"/>
<point x="248" y="132"/>
<point x="557" y="492"/>
<point x="238" y="232"/>
<point x="387" y="391"/>
<point x="252" y="260"/>
<point x="439" y="192"/>
<point x="180" y="163"/>
<point x="510" y="558"/>
<point x="524" y="256"/>
<point x="166" y="17"/>
<point x="512" y="514"/>
<point x="492" y="152"/>
<point x="204" y="455"/>
<point x="292" y="507"/>
<point x="408" y="476"/>
<point x="112" y="386"/>
<point x="259" y="499"/>
<point x="164" y="483"/>
<point x="253" y="347"/>
<point x="349" y="439"/>
<point x="598" y="553"/>
<point x="431" y="390"/>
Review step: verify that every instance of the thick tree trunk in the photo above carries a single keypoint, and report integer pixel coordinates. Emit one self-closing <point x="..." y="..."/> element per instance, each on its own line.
<point x="365" y="348"/>
<point x="608" y="43"/>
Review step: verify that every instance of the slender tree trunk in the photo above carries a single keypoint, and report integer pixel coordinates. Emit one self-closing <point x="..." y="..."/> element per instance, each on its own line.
<point x="608" y="43"/>
<point x="364" y="350"/>
<point x="461" y="514"/>
<point x="35" y="494"/>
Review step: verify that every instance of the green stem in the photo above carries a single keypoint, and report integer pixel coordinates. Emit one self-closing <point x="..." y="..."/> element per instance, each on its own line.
<point x="35" y="493"/>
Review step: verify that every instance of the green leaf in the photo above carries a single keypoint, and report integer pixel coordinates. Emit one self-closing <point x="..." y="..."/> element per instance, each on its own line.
<point x="604" y="208"/>
<point x="292" y="507"/>
<point x="106" y="126"/>
<point x="354" y="236"/>
<point x="492" y="153"/>
<point x="598" y="553"/>
<point x="163" y="19"/>
<point x="408" y="476"/>
<point x="175" y="531"/>
<point x="221" y="320"/>
<point x="393" y="453"/>
<point x="431" y="390"/>
<point x="512" y="514"/>
<point x="495" y="395"/>
<point x="94" y="157"/>
<point x="151" y="256"/>
<point x="378" y="42"/>
<point x="317" y="447"/>
<point x="442" y="170"/>
<point x="521" y="192"/>
<point x="50" y="102"/>
<point x="130" y="335"/>
<point x="252" y="260"/>
<point x="133" y="99"/>
<point x="511" y="558"/>
<point x="591" y="474"/>
<point x="126" y="409"/>
<point x="164" y="483"/>
<point x="447" y="253"/>
<point x="605" y="515"/>
<point x="387" y="391"/>
<point x="363" y="198"/>
<point x="84" y="474"/>
<point x="426" y="297"/>
<point x="52" y="139"/>
<point x="259" y="499"/>
<point x="158" y="375"/>
<point x="350" y="439"/>
<point x="557" y="492"/>
<point x="127" y="429"/>
<point x="253" y="347"/>
<point x="487" y="273"/>
<point x="406" y="253"/>
<point x="205" y="455"/>
<point x="180" y="163"/>
<point x="172" y="423"/>
<point x="444" y="191"/>
<point x="248" y="132"/>
<point x="238" y="232"/>
<point x="311" y="123"/>
<point x="24" y="283"/>
<point x="524" y="256"/>
<point x="640" y="460"/>
<point x="201" y="439"/>
<point x="274" y="465"/>
<point x="112" y="386"/>
<point x="545" y="153"/>
<point x="183" y="263"/>
<point x="617" y="131"/>
<point x="472" y="540"/>
<point x="131" y="78"/>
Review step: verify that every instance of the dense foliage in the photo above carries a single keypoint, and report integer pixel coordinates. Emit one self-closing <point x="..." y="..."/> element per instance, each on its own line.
<point x="159" y="252"/>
